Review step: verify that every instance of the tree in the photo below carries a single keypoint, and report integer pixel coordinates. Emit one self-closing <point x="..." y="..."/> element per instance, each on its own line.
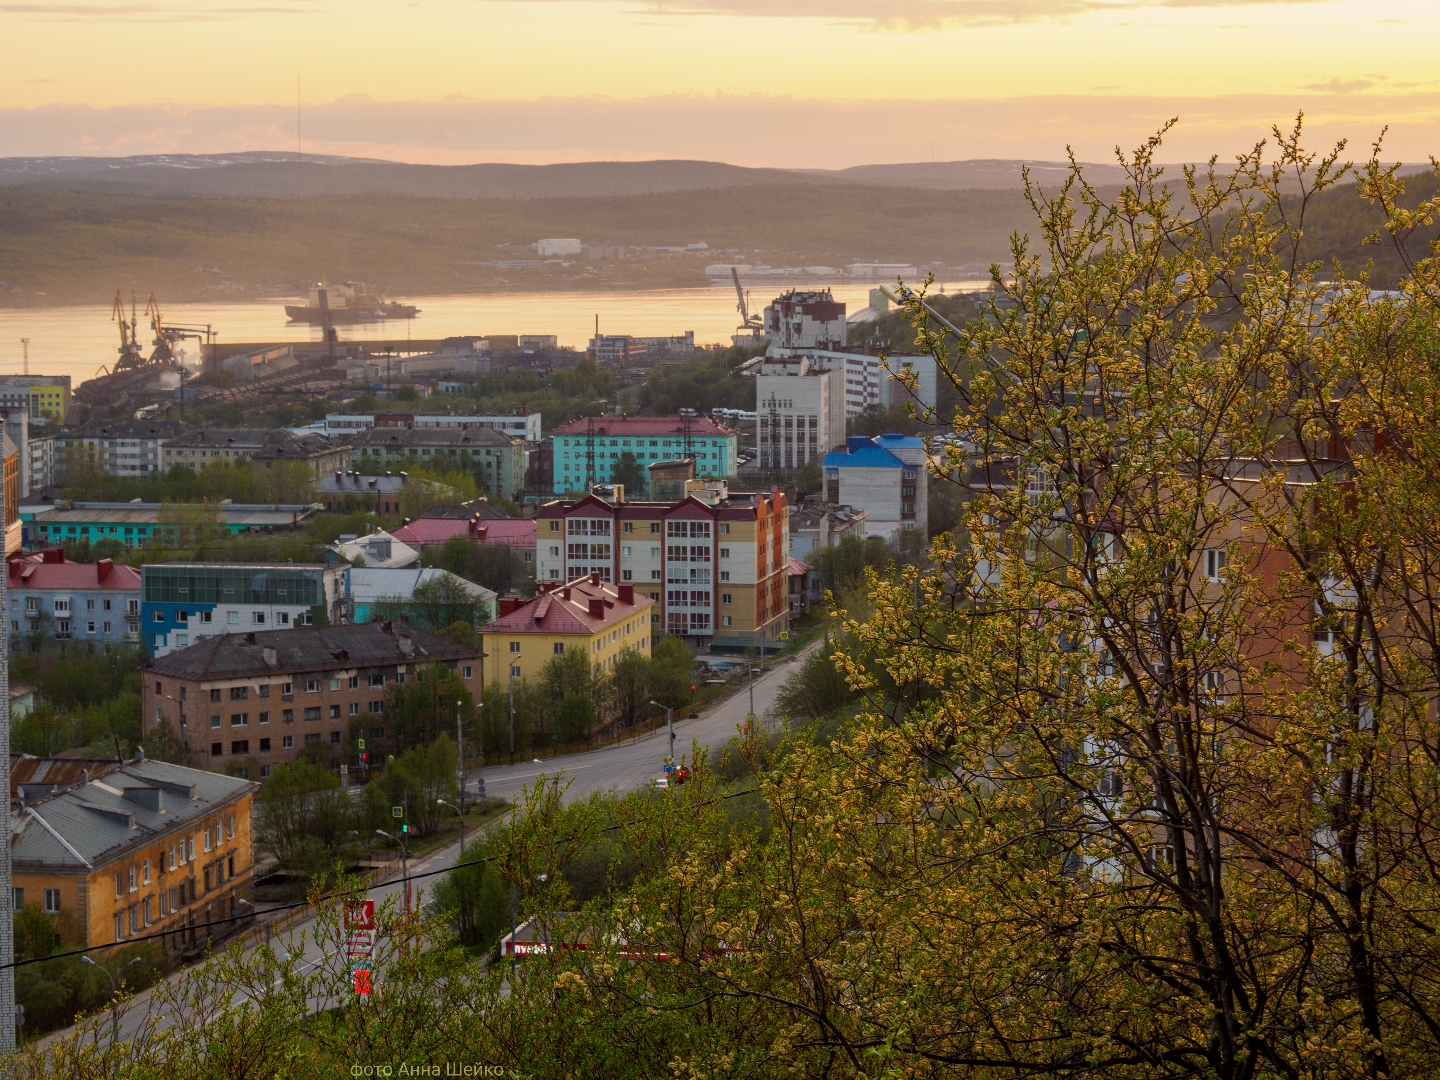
<point x="423" y="707"/>
<point x="189" y="525"/>
<point x="495" y="566"/>
<point x="574" y="719"/>
<point x="434" y="604"/>
<point x="421" y="776"/>
<point x="302" y="816"/>
<point x="627" y="470"/>
<point x="809" y="478"/>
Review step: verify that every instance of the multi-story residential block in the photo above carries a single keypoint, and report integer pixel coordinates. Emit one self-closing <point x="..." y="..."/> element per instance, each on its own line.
<point x="800" y="412"/>
<point x="262" y="446"/>
<point x="185" y="603"/>
<point x="601" y="620"/>
<point x="40" y="457"/>
<point x="886" y="477"/>
<point x="870" y="380"/>
<point x="248" y="702"/>
<point x="346" y="491"/>
<point x="135" y="848"/>
<point x="520" y="424"/>
<point x="359" y="589"/>
<point x="97" y="602"/>
<point x="15" y="423"/>
<point x="805" y="319"/>
<point x="10" y="477"/>
<point x="715" y="562"/>
<point x="45" y="396"/>
<point x="137" y="524"/>
<point x="497" y="459"/>
<point x="586" y="450"/>
<point x="123" y="448"/>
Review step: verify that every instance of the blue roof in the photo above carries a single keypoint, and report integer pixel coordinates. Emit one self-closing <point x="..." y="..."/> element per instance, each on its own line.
<point x="892" y="441"/>
<point x="866" y="456"/>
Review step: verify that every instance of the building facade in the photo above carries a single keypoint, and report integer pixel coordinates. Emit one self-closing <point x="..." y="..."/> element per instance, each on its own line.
<point x="346" y="491"/>
<point x="871" y="380"/>
<point x="45" y="396"/>
<point x="602" y="620"/>
<point x="498" y="460"/>
<point x="185" y="603"/>
<point x="123" y="448"/>
<point x="165" y="524"/>
<point x="887" y="478"/>
<point x="244" y="703"/>
<point x="519" y="424"/>
<point x="715" y="563"/>
<point x="805" y="319"/>
<point x="133" y="849"/>
<point x="97" y="602"/>
<point x="585" y="451"/>
<point x="260" y="446"/>
<point x="800" y="412"/>
<point x="359" y="589"/>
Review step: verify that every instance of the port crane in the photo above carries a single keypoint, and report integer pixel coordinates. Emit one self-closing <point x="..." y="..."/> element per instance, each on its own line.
<point x="167" y="336"/>
<point x="130" y="355"/>
<point x="751" y="329"/>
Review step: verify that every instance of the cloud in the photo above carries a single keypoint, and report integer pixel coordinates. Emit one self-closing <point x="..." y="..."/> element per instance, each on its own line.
<point x="199" y="11"/>
<point x="741" y="129"/>
<point x="1341" y="85"/>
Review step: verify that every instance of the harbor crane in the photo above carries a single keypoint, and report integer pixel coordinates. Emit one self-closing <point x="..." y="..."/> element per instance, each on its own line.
<point x="130" y="355"/>
<point x="751" y="329"/>
<point x="167" y="336"/>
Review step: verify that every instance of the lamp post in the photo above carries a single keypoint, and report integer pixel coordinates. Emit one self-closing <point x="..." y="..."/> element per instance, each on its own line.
<point x="669" y="724"/>
<point x="404" y="864"/>
<point x="457" y="809"/>
<point x="114" y="992"/>
<point x="512" y="708"/>
<point x="460" y="761"/>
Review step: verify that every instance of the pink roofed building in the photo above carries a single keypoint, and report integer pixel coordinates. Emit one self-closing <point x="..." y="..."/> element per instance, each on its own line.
<point x="97" y="602"/>
<point x="518" y="534"/>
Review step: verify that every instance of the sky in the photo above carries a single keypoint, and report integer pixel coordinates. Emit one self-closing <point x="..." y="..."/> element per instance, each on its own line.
<point x="790" y="83"/>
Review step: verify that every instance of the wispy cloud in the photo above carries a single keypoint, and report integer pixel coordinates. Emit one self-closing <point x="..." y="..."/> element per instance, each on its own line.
<point x="1340" y="85"/>
<point x="199" y="11"/>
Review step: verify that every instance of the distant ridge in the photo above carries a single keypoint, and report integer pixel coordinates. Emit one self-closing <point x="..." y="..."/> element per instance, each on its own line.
<point x="279" y="175"/>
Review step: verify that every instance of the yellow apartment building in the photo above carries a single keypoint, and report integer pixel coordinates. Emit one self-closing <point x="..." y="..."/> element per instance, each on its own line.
<point x="603" y="620"/>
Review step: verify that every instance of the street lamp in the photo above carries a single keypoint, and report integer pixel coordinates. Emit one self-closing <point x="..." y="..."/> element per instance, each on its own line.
<point x="114" y="992"/>
<point x="513" y="658"/>
<point x="457" y="809"/>
<point x="669" y="724"/>
<point x="460" y="761"/>
<point x="404" y="864"/>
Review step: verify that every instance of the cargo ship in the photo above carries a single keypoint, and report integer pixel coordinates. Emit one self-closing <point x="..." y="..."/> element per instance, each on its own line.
<point x="347" y="302"/>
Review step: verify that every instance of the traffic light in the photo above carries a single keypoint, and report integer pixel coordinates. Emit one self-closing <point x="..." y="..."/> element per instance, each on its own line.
<point x="405" y="829"/>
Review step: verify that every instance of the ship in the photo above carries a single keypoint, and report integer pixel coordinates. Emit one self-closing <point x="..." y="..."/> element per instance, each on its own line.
<point x="347" y="302"/>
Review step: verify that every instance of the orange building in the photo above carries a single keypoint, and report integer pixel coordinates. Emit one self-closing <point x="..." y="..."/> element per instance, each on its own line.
<point x="133" y="848"/>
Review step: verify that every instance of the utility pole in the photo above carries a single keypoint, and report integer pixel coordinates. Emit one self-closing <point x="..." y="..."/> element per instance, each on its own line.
<point x="512" y="713"/>
<point x="7" y="892"/>
<point x="460" y="769"/>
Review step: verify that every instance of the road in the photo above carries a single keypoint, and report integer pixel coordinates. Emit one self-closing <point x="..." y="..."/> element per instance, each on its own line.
<point x="619" y="768"/>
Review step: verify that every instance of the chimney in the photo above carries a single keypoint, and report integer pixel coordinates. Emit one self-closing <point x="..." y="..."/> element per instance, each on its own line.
<point x="14" y="565"/>
<point x="54" y="555"/>
<point x="407" y="645"/>
<point x="250" y="638"/>
<point x="597" y="607"/>
<point x="272" y="658"/>
<point x="102" y="570"/>
<point x="627" y="593"/>
<point x="565" y="593"/>
<point x="595" y="577"/>
<point x="509" y="604"/>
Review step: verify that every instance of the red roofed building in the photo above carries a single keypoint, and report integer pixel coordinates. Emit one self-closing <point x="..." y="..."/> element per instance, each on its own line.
<point x="603" y="620"/>
<point x="97" y="602"/>
<point x="518" y="534"/>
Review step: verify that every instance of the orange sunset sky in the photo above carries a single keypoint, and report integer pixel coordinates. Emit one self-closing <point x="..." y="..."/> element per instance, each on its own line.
<point x="819" y="83"/>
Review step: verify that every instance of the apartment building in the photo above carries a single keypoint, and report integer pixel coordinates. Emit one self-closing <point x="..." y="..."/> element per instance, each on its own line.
<point x="360" y="589"/>
<point x="45" y="396"/>
<point x="520" y="424"/>
<point x="871" y="380"/>
<point x="123" y="448"/>
<point x="260" y="446"/>
<point x="96" y="602"/>
<point x="185" y="603"/>
<point x="135" y="848"/>
<point x="498" y="460"/>
<point x="800" y="412"/>
<point x="602" y="620"/>
<point x="137" y="524"/>
<point x="346" y="491"/>
<point x="715" y="562"/>
<point x="805" y="319"/>
<point x="884" y="476"/>
<point x="585" y="451"/>
<point x="244" y="703"/>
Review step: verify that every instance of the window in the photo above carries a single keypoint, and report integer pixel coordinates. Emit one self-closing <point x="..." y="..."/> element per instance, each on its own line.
<point x="232" y="618"/>
<point x="312" y="686"/>
<point x="469" y="672"/>
<point x="239" y="693"/>
<point x="287" y="716"/>
<point x="514" y="647"/>
<point x="192" y="850"/>
<point x="239" y="719"/>
<point x="286" y="690"/>
<point x="515" y="671"/>
<point x="89" y="605"/>
<point x="134" y="883"/>
<point x="52" y="901"/>
<point x="654" y="553"/>
<point x="625" y="551"/>
<point x="724" y="575"/>
<point x="264" y="745"/>
<point x="159" y="689"/>
<point x="724" y="528"/>
<point x="724" y="598"/>
<point x="240" y="746"/>
<point x="215" y="721"/>
<point x="107" y="627"/>
<point x="654" y="526"/>
<point x="724" y="553"/>
<point x="334" y="684"/>
<point x="230" y="827"/>
<point x="377" y="706"/>
<point x="355" y="682"/>
<point x="258" y="617"/>
<point x="558" y="649"/>
<point x="724" y="620"/>
<point x="287" y="742"/>
<point x="145" y="872"/>
<point x="265" y="769"/>
<point x="264" y="718"/>
<point x="214" y="695"/>
<point x="628" y="527"/>
<point x="1214" y="563"/>
<point x="312" y="713"/>
<point x="334" y="737"/>
<point x="159" y="616"/>
<point x="207" y="616"/>
<point x="377" y="680"/>
<point x="119" y="927"/>
<point x="217" y="749"/>
<point x="313" y="739"/>
<point x="400" y="678"/>
<point x="625" y="575"/>
<point x="654" y="576"/>
<point x="172" y="856"/>
<point x="335" y="712"/>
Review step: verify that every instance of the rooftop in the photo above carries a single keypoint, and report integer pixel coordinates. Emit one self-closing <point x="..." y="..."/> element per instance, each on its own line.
<point x="307" y="649"/>
<point x="585" y="606"/>
<point x="428" y="531"/>
<point x="29" y="573"/>
<point x="262" y="442"/>
<point x="250" y="515"/>
<point x="113" y="807"/>
<point x="352" y="483"/>
<point x="700" y="426"/>
<point x="432" y="436"/>
<point x="366" y="585"/>
<point x="128" y="429"/>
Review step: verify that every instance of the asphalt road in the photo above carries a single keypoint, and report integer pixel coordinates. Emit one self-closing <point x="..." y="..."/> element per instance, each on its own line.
<point x="619" y="768"/>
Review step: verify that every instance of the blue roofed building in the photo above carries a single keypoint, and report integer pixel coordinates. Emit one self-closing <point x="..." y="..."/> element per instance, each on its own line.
<point x="884" y="476"/>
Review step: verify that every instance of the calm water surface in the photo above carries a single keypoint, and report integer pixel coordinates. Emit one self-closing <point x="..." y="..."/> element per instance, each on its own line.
<point x="76" y="341"/>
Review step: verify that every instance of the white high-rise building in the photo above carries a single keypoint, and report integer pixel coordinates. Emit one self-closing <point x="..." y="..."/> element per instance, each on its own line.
<point x="799" y="412"/>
